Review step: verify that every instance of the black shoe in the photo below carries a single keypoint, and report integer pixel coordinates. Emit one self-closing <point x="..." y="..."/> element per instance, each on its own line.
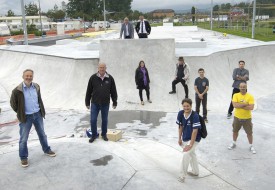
<point x="92" y="139"/>
<point x="172" y="92"/>
<point x="104" y="137"/>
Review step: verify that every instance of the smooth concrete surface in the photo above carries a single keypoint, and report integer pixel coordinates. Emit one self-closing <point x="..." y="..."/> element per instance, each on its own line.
<point x="147" y="156"/>
<point x="122" y="58"/>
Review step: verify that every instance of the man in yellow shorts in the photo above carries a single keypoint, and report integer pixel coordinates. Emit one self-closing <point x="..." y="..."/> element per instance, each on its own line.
<point x="243" y="103"/>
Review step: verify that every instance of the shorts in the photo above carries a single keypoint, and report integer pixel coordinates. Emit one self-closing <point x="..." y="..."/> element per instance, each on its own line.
<point x="245" y="123"/>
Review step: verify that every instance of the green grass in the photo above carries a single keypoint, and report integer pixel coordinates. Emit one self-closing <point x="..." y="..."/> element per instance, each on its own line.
<point x="263" y="31"/>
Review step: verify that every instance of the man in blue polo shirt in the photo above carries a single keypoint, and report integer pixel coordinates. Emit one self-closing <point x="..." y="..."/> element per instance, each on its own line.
<point x="189" y="137"/>
<point x="27" y="103"/>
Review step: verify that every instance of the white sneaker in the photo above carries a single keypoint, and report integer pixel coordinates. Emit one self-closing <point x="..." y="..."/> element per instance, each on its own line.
<point x="231" y="146"/>
<point x="252" y="149"/>
<point x="192" y="174"/>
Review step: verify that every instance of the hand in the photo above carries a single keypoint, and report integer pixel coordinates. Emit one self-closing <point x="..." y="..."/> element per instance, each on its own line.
<point x="187" y="148"/>
<point x="201" y="96"/>
<point x="88" y="107"/>
<point x="114" y="106"/>
<point x="180" y="142"/>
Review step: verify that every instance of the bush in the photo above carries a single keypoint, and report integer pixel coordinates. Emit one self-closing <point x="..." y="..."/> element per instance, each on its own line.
<point x="37" y="33"/>
<point x="20" y="32"/>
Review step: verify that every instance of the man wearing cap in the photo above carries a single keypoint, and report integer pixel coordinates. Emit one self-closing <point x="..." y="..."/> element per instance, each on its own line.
<point x="181" y="75"/>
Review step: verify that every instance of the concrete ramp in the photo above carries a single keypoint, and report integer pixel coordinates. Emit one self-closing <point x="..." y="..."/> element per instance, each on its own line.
<point x="64" y="80"/>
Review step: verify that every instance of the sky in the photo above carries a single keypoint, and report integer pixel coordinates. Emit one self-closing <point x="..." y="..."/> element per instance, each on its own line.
<point x="141" y="5"/>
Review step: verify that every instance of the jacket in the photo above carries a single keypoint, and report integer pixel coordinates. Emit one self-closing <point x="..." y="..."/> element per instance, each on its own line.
<point x="147" y="27"/>
<point x="17" y="102"/>
<point x="130" y="30"/>
<point x="139" y="78"/>
<point x="186" y="71"/>
<point x="100" y="91"/>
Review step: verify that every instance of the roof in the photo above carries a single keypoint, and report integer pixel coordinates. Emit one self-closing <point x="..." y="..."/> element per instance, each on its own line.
<point x="163" y="11"/>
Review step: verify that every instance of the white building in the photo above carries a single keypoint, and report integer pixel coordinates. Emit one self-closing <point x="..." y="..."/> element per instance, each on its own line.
<point x="16" y="23"/>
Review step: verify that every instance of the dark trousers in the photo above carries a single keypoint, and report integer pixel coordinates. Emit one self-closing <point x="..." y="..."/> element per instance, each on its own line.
<point x="204" y="105"/>
<point x="147" y="93"/>
<point x="176" y="81"/>
<point x="142" y="35"/>
<point x="235" y="90"/>
<point x="95" y="108"/>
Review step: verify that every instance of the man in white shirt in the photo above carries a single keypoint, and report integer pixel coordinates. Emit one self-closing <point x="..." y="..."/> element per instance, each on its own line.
<point x="127" y="30"/>
<point x="143" y="28"/>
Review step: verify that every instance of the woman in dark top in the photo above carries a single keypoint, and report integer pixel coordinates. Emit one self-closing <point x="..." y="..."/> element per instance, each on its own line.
<point x="142" y="81"/>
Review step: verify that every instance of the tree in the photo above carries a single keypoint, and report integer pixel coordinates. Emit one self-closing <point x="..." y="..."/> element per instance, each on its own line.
<point x="193" y="12"/>
<point x="216" y="8"/>
<point x="93" y="9"/>
<point x="56" y="14"/>
<point x="10" y="13"/>
<point x="31" y="9"/>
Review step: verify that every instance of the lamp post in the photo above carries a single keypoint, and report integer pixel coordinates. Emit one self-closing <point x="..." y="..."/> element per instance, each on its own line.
<point x="253" y="19"/>
<point x="82" y="2"/>
<point x="211" y="15"/>
<point x="104" y="14"/>
<point x="40" y="18"/>
<point x="24" y="23"/>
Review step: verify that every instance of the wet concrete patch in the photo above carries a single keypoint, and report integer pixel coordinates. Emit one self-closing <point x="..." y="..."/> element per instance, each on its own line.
<point x="103" y="161"/>
<point x="151" y="119"/>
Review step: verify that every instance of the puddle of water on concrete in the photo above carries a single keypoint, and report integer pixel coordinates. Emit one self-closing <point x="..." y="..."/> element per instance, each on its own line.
<point x="103" y="161"/>
<point x="146" y="117"/>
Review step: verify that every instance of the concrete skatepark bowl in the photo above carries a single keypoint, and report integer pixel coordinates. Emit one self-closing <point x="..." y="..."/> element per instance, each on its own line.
<point x="147" y="156"/>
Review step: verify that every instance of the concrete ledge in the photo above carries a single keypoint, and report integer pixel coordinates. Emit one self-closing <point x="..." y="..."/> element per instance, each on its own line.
<point x="45" y="39"/>
<point x="191" y="44"/>
<point x="168" y="24"/>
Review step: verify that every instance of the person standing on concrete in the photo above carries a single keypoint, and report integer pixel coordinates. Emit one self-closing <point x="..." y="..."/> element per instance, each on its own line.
<point x="243" y="103"/>
<point x="239" y="75"/>
<point x="142" y="81"/>
<point x="201" y="87"/>
<point x="101" y="87"/>
<point x="189" y="138"/>
<point x="181" y="75"/>
<point x="26" y="101"/>
<point x="127" y="30"/>
<point x="143" y="28"/>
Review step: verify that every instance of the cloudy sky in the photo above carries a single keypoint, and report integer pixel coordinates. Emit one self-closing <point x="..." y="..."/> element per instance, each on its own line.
<point x="141" y="5"/>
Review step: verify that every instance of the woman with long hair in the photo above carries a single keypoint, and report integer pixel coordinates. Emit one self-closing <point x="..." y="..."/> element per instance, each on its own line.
<point x="142" y="81"/>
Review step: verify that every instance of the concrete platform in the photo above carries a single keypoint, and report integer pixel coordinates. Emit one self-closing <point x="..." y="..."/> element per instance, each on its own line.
<point x="147" y="156"/>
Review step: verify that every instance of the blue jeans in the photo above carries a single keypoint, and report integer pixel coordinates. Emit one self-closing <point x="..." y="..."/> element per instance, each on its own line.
<point x="95" y="108"/>
<point x="37" y="120"/>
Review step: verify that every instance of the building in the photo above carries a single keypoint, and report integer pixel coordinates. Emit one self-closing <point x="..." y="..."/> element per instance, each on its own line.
<point x="15" y="23"/>
<point x="163" y="13"/>
<point x="18" y="19"/>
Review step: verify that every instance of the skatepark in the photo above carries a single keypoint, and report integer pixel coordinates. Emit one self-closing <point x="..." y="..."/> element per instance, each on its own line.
<point x="147" y="156"/>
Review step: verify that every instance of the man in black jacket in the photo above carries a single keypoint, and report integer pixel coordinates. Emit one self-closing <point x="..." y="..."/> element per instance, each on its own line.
<point x="143" y="28"/>
<point x="100" y="88"/>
